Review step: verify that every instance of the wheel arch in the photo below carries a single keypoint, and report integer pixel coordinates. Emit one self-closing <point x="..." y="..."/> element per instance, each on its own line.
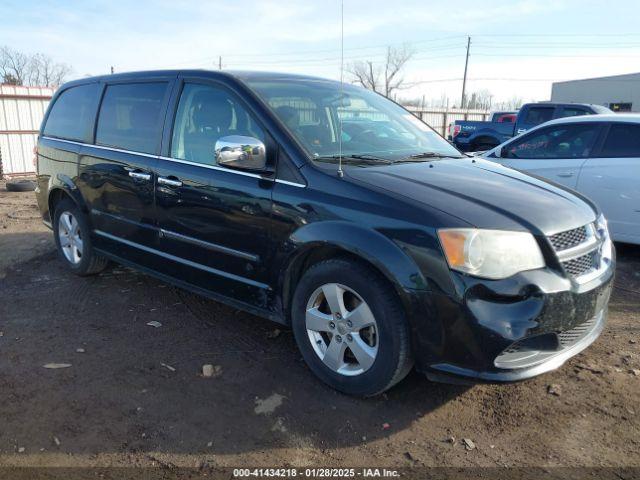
<point x="326" y="240"/>
<point x="62" y="188"/>
<point x="484" y="137"/>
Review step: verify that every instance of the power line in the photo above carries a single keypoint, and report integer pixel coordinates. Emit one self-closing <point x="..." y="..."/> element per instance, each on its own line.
<point x="483" y="48"/>
<point x="331" y="50"/>
<point x="550" y="55"/>
<point x="337" y="49"/>
<point x="558" y="46"/>
<point x="319" y="61"/>
<point x="551" y="35"/>
<point x="333" y="61"/>
<point x="418" y="42"/>
<point x="506" y="79"/>
<point x="323" y="61"/>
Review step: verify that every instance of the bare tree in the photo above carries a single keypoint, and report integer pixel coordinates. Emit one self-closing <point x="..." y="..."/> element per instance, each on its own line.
<point x="45" y="72"/>
<point x="363" y="73"/>
<point x="386" y="78"/>
<point x="14" y="66"/>
<point x="17" y="68"/>
<point x="480" y="100"/>
<point x="514" y="103"/>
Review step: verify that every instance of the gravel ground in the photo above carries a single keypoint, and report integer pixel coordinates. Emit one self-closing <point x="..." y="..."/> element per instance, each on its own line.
<point x="134" y="395"/>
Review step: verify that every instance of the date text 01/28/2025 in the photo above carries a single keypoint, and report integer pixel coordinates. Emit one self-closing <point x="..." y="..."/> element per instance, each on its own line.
<point x="315" y="473"/>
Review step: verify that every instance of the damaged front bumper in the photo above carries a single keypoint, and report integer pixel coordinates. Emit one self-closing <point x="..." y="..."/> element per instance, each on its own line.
<point x="512" y="329"/>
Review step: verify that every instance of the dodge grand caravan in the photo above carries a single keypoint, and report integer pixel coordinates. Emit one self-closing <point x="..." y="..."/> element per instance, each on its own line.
<point x="330" y="209"/>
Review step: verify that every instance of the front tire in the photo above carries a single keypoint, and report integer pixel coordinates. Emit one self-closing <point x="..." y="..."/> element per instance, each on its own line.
<point x="350" y="327"/>
<point x="72" y="236"/>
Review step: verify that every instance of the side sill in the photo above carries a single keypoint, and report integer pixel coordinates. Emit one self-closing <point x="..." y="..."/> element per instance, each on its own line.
<point x="184" y="261"/>
<point x="274" y="317"/>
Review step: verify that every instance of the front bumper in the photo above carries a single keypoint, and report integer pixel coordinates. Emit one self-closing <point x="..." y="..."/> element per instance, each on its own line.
<point x="509" y="330"/>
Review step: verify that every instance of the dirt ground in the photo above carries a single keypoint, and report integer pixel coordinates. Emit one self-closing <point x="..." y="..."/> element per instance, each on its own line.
<point x="134" y="396"/>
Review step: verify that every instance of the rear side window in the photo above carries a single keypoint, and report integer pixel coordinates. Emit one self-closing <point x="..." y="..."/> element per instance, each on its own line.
<point x="131" y="116"/>
<point x="72" y="113"/>
<point x="537" y="115"/>
<point x="623" y="140"/>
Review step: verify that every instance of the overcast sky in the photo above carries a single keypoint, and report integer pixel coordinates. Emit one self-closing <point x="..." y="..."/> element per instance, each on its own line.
<point x="517" y="46"/>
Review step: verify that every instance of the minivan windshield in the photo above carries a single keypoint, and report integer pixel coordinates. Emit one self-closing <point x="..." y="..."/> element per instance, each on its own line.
<point x="368" y="128"/>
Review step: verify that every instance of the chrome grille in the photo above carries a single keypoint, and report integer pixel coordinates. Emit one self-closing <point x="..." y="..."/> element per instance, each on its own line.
<point x="581" y="265"/>
<point x="568" y="239"/>
<point x="579" y="250"/>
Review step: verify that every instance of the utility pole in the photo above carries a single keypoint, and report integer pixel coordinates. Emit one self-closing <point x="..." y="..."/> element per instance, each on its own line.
<point x="220" y="62"/>
<point x="464" y="80"/>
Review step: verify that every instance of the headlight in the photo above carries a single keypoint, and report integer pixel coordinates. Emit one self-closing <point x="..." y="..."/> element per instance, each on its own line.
<point x="492" y="254"/>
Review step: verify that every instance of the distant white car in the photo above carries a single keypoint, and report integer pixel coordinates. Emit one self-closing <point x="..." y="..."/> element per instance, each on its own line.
<point x="597" y="155"/>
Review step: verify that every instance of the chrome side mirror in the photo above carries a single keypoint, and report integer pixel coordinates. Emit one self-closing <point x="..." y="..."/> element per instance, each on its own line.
<point x="238" y="151"/>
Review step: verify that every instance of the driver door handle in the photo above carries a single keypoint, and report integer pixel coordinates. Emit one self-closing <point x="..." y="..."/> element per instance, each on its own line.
<point x="566" y="174"/>
<point x="140" y="176"/>
<point x="169" y="182"/>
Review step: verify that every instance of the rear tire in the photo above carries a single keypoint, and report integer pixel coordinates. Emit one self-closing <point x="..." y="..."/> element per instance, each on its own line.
<point x="73" y="240"/>
<point x="357" y="361"/>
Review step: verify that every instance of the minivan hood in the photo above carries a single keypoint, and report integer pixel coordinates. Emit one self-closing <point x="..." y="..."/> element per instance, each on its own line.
<point x="483" y="194"/>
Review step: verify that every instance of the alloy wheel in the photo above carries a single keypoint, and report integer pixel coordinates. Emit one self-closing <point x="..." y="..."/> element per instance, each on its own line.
<point x="342" y="329"/>
<point x="70" y="237"/>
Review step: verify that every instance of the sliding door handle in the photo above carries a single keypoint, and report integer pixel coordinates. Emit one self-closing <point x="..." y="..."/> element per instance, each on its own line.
<point x="140" y="176"/>
<point x="171" y="182"/>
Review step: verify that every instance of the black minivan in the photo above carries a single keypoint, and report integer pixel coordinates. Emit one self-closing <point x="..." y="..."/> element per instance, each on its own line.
<point x="331" y="209"/>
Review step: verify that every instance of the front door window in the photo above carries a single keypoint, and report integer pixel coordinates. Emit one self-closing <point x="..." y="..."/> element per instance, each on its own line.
<point x="205" y="115"/>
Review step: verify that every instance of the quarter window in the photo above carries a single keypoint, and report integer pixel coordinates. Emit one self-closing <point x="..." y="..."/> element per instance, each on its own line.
<point x="623" y="140"/>
<point x="566" y="141"/>
<point x="131" y="116"/>
<point x="72" y="113"/>
<point x="205" y="114"/>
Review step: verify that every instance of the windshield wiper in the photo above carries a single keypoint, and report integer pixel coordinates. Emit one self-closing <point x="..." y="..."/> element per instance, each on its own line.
<point x="424" y="156"/>
<point x="360" y="158"/>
